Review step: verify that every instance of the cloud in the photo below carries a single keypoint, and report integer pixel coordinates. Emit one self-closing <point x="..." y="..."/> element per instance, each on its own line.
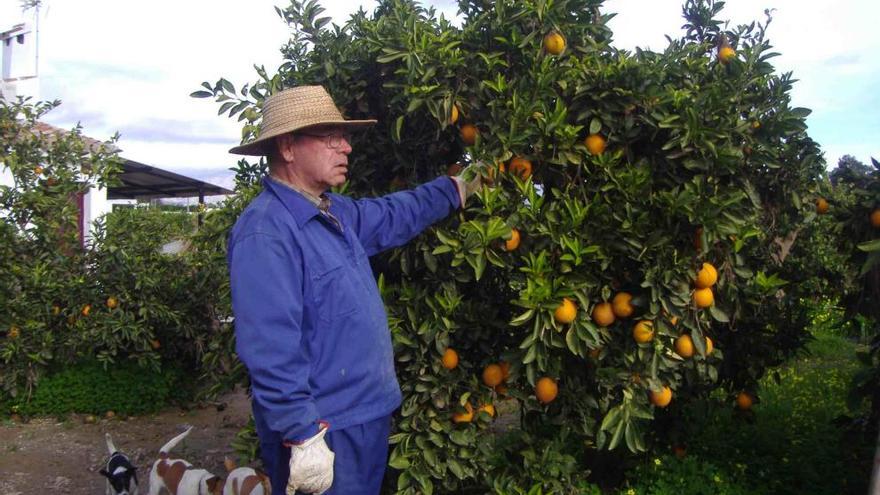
<point x="173" y="131"/>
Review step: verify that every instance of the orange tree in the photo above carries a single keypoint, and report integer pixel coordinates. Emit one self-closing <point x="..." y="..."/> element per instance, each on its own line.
<point x="635" y="198"/>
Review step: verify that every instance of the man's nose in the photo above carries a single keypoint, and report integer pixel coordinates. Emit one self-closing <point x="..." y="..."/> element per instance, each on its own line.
<point x="345" y="148"/>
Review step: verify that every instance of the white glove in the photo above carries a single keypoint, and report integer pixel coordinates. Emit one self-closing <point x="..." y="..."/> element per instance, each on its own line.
<point x="311" y="465"/>
<point x="469" y="181"/>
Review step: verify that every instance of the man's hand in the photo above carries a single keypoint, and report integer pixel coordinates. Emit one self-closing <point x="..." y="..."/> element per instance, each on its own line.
<point x="311" y="465"/>
<point x="469" y="181"/>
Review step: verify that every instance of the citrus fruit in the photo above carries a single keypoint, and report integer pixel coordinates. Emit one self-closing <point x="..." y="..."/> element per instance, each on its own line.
<point x="464" y="417"/>
<point x="875" y="218"/>
<point x="603" y="314"/>
<point x="521" y="167"/>
<point x="706" y="277"/>
<point x="554" y="43"/>
<point x="450" y="358"/>
<point x="661" y="398"/>
<point x="744" y="401"/>
<point x="512" y="243"/>
<point x="726" y="54"/>
<point x="453" y="114"/>
<point x="704" y="298"/>
<point x="621" y="305"/>
<point x="566" y="311"/>
<point x="468" y="133"/>
<point x="684" y="346"/>
<point x="595" y="144"/>
<point x="643" y="331"/>
<point x="546" y="390"/>
<point x="821" y="206"/>
<point x="493" y="375"/>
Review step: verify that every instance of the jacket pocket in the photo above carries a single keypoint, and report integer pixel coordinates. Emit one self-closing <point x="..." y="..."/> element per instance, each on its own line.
<point x="335" y="293"/>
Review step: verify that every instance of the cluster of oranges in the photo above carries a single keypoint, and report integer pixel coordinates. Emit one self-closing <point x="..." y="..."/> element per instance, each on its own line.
<point x="706" y="278"/>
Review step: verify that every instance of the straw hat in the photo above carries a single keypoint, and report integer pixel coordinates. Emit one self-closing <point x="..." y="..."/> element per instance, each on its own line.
<point x="294" y="109"/>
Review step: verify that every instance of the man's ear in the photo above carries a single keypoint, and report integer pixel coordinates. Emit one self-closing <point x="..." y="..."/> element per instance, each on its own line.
<point x="286" y="144"/>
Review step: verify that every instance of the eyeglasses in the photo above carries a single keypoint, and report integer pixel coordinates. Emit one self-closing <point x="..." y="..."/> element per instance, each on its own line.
<point x="334" y="141"/>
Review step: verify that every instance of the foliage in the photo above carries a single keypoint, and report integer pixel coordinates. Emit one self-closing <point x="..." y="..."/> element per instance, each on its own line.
<point x="90" y="387"/>
<point x="668" y="475"/>
<point x="697" y="150"/>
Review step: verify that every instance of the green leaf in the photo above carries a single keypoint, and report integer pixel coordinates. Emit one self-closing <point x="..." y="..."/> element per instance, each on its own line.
<point x="870" y="246"/>
<point x="718" y="314"/>
<point x="595" y="126"/>
<point x="201" y="94"/>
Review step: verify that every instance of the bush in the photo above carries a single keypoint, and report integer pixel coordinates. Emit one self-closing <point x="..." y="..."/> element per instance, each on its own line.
<point x="668" y="475"/>
<point x="89" y="387"/>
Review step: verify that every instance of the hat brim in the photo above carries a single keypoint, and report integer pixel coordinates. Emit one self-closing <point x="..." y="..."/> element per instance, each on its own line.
<point x="260" y="146"/>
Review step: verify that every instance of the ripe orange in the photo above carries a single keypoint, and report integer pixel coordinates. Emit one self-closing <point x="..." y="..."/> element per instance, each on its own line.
<point x="468" y="133"/>
<point x="464" y="417"/>
<point x="501" y="390"/>
<point x="566" y="311"/>
<point x="704" y="298"/>
<point x="488" y="409"/>
<point x="684" y="346"/>
<point x="643" y="331"/>
<point x="453" y="117"/>
<point x="505" y="370"/>
<point x="546" y="390"/>
<point x="756" y="124"/>
<point x="603" y="314"/>
<point x="512" y="243"/>
<point x="38" y="170"/>
<point x="521" y="167"/>
<point x="875" y="218"/>
<point x="493" y="375"/>
<point x="112" y="302"/>
<point x="450" y="358"/>
<point x="706" y="277"/>
<point x="155" y="344"/>
<point x="662" y="398"/>
<point x="709" y="346"/>
<point x="595" y="144"/>
<point x="621" y="305"/>
<point x="726" y="54"/>
<point x="821" y="206"/>
<point x="744" y="401"/>
<point x="13" y="332"/>
<point x="453" y="169"/>
<point x="86" y="310"/>
<point x="673" y="320"/>
<point x="554" y="43"/>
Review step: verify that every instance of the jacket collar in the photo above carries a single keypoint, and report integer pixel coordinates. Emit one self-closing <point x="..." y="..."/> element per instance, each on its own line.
<point x="298" y="205"/>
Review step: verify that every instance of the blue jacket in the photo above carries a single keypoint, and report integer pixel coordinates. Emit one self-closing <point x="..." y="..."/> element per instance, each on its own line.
<point x="310" y="324"/>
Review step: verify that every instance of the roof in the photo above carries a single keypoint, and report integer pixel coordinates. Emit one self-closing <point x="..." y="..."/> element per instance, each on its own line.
<point x="141" y="181"/>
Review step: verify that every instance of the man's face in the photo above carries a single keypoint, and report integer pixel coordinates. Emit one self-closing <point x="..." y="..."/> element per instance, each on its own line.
<point x="320" y="156"/>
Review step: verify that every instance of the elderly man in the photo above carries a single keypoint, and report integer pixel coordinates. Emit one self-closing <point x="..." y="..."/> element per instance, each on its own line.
<point x="310" y="324"/>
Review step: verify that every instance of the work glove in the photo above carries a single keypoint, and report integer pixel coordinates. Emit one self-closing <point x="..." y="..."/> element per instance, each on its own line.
<point x="311" y="465"/>
<point x="469" y="181"/>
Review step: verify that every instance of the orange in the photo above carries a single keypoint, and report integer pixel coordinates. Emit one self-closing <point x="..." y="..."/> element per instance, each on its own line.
<point x="505" y="370"/>
<point x="662" y="398"/>
<point x="155" y="344"/>
<point x="744" y="401"/>
<point x="621" y="305"/>
<point x="603" y="314"/>
<point x="875" y="218"/>
<point x="468" y="133"/>
<point x="521" y="167"/>
<point x="704" y="298"/>
<point x="756" y="124"/>
<point x="86" y="310"/>
<point x="726" y="54"/>
<point x="38" y="170"/>
<point x="501" y="389"/>
<point x="453" y="169"/>
<point x="14" y="332"/>
<point x="565" y="312"/>
<point x="493" y="375"/>
<point x="706" y="277"/>
<point x="821" y="206"/>
<point x="643" y="331"/>
<point x="546" y="390"/>
<point x="450" y="358"/>
<point x="512" y="243"/>
<point x="674" y="320"/>
<point x="488" y="409"/>
<point x="453" y="117"/>
<point x="679" y="451"/>
<point x="554" y="43"/>
<point x="709" y="346"/>
<point x="684" y="346"/>
<point x="493" y="171"/>
<point x="464" y="417"/>
<point x="110" y="414"/>
<point x="112" y="302"/>
<point x="595" y="144"/>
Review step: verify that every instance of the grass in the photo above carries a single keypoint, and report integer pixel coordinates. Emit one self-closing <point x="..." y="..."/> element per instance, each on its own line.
<point x="792" y="442"/>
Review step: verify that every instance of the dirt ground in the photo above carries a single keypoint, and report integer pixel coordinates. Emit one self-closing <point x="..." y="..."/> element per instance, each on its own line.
<point x="46" y="455"/>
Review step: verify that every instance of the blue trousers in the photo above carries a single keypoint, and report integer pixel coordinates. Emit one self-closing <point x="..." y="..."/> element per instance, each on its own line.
<point x="361" y="456"/>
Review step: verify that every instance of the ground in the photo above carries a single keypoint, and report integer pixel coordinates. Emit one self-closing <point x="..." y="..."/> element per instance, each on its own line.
<point x="64" y="456"/>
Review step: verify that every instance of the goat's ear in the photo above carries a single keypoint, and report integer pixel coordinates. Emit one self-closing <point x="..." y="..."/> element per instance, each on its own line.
<point x="104" y="473"/>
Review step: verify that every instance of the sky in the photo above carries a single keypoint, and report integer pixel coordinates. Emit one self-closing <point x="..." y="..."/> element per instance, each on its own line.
<point x="126" y="66"/>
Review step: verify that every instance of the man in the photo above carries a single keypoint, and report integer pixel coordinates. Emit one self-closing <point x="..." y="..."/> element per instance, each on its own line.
<point x="309" y="321"/>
